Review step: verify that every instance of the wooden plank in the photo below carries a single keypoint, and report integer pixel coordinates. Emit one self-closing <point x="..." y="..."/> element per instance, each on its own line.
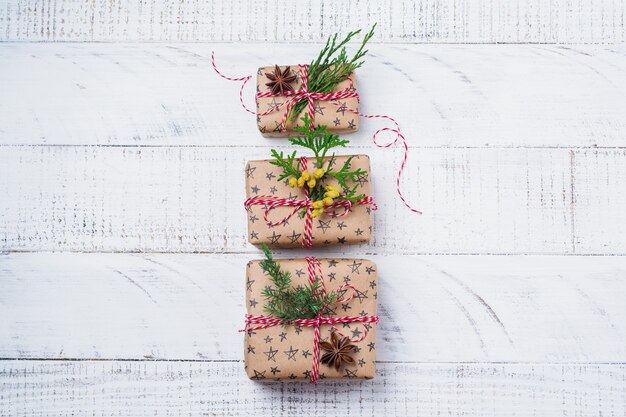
<point x="443" y="95"/>
<point x="530" y="309"/>
<point x="471" y="21"/>
<point x="35" y="388"/>
<point x="190" y="199"/>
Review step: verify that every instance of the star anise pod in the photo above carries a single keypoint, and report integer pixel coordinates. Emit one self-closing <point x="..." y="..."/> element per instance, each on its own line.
<point x="280" y="81"/>
<point x="337" y="351"/>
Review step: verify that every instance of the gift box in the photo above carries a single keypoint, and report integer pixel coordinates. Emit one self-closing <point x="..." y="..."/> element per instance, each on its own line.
<point x="336" y="113"/>
<point x="281" y="351"/>
<point x="276" y="211"/>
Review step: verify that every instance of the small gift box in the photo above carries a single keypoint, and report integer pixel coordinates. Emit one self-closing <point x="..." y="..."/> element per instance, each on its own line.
<point x="280" y="87"/>
<point x="284" y="216"/>
<point x="340" y="342"/>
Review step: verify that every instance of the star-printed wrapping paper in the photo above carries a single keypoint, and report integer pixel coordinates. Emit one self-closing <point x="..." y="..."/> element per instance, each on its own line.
<point x="285" y="352"/>
<point x="333" y="114"/>
<point x="353" y="228"/>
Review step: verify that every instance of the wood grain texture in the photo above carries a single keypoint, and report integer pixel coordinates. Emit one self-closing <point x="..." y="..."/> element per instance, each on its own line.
<point x="519" y="309"/>
<point x="442" y="95"/>
<point x="464" y="21"/>
<point x="190" y="199"/>
<point x="36" y="388"/>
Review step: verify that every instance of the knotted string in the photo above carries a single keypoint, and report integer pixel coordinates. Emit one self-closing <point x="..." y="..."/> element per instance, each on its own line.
<point x="314" y="268"/>
<point x="303" y="93"/>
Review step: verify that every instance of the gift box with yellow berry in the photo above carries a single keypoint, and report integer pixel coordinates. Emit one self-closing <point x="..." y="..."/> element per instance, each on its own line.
<point x="309" y="207"/>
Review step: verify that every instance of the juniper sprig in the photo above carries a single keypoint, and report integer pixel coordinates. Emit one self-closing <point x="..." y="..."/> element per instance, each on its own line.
<point x="332" y="66"/>
<point x="291" y="303"/>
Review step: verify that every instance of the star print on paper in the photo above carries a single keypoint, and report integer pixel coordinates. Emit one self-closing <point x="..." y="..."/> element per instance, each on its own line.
<point x="270" y="175"/>
<point x="369" y="269"/>
<point x="258" y="375"/>
<point x="249" y="283"/>
<point x="307" y="374"/>
<point x="250" y="172"/>
<point x="361" y="362"/>
<point x="361" y="179"/>
<point x="350" y="374"/>
<point x="254" y="235"/>
<point x="251" y="349"/>
<point x="273" y="105"/>
<point x="337" y="122"/>
<point x="359" y="295"/>
<point x="279" y="127"/>
<point x="274" y="370"/>
<point x="274" y="238"/>
<point x="342" y="108"/>
<point x="341" y="225"/>
<point x="282" y="336"/>
<point x="323" y="225"/>
<point x="351" y="124"/>
<point x="271" y="354"/>
<point x="330" y="311"/>
<point x="355" y="267"/>
<point x="253" y="303"/>
<point x="298" y="330"/>
<point x="332" y="263"/>
<point x="255" y="189"/>
<point x="372" y="284"/>
<point x="371" y="345"/>
<point x="299" y="272"/>
<point x="332" y="276"/>
<point x="318" y="108"/>
<point x="293" y="237"/>
<point x="306" y="353"/>
<point x="273" y="190"/>
<point x="341" y="240"/>
<point x="358" y="231"/>
<point x="268" y="339"/>
<point x="291" y="353"/>
<point x="253" y="218"/>
<point x="356" y="333"/>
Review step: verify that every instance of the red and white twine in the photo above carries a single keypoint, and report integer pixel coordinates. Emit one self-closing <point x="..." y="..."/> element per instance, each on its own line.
<point x="315" y="274"/>
<point x="304" y="94"/>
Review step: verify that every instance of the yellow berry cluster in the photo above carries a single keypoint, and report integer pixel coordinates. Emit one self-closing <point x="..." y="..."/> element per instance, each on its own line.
<point x="306" y="178"/>
<point x="318" y="206"/>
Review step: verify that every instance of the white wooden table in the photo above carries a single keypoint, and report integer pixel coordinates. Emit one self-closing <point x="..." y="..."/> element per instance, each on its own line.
<point x="123" y="235"/>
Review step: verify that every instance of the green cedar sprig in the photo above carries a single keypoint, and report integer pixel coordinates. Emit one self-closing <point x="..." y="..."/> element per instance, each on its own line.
<point x="318" y="139"/>
<point x="332" y="66"/>
<point x="320" y="142"/>
<point x="288" y="303"/>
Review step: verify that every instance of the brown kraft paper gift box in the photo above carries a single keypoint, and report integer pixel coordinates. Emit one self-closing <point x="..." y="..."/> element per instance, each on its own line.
<point x="285" y="352"/>
<point x="336" y="117"/>
<point x="353" y="228"/>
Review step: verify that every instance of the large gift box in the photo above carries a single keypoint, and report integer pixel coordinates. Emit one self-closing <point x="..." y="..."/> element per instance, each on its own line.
<point x="282" y="224"/>
<point x="287" y="351"/>
<point x="333" y="113"/>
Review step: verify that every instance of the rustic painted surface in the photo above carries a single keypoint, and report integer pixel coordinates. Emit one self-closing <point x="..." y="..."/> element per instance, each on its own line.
<point x="104" y="388"/>
<point x="493" y="303"/>
<point x="466" y="21"/>
<point x="450" y="95"/>
<point x="446" y="308"/>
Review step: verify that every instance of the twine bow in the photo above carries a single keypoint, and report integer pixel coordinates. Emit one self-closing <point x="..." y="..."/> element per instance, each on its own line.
<point x="303" y="93"/>
<point x="314" y="268"/>
<point x="271" y="202"/>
